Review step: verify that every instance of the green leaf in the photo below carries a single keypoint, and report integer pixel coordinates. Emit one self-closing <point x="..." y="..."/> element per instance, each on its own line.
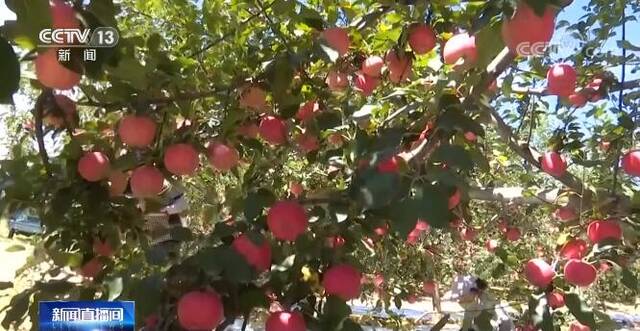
<point x="256" y="202"/>
<point x="15" y="248"/>
<point x="335" y="312"/>
<point x="252" y="298"/>
<point x="628" y="45"/>
<point x="489" y="41"/>
<point x="349" y="325"/>
<point x="115" y="288"/>
<point x="181" y="233"/>
<point x="580" y="310"/>
<point x="454" y="156"/>
<point x="629" y="279"/>
<point x="224" y="261"/>
<point x="5" y="285"/>
<point x="17" y="308"/>
<point x="131" y="71"/>
<point x="280" y="74"/>
<point x="540" y="314"/>
<point x="32" y="17"/>
<point x="374" y="190"/>
<point x="10" y="69"/>
<point x="483" y="321"/>
<point x="455" y="120"/>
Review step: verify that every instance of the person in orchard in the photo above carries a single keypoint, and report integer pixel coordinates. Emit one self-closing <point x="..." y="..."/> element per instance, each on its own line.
<point x="472" y="293"/>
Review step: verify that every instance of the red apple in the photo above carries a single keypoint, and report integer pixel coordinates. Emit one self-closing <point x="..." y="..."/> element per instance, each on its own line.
<point x="92" y="268"/>
<point x="372" y="66"/>
<point x="337" y="81"/>
<point x="600" y="230"/>
<point x="631" y="163"/>
<point x="365" y="84"/>
<point x="307" y="142"/>
<point x="389" y="165"/>
<point x="94" y="166"/>
<point x="248" y="130"/>
<point x="561" y="79"/>
<point x="286" y="321"/>
<point x="553" y="164"/>
<point x="574" y="249"/>
<point x="200" y="310"/>
<point x="513" y="234"/>
<point x="287" y="220"/>
<point x="307" y="111"/>
<point x="555" y="299"/>
<point x="565" y="214"/>
<point x="273" y="130"/>
<point x="491" y="245"/>
<point x="296" y="189"/>
<point x="338" y="39"/>
<point x="137" y="131"/>
<point x="468" y="233"/>
<point x="68" y="115"/>
<point x="422" y="39"/>
<point x="343" y="281"/>
<point x="580" y="273"/>
<point x="381" y="230"/>
<point x="525" y="32"/>
<point x="577" y="99"/>
<point x="257" y="255"/>
<point x="102" y="248"/>
<point x="222" y="157"/>
<point x="577" y="326"/>
<point x="146" y="182"/>
<point x="335" y="241"/>
<point x="335" y="139"/>
<point x="254" y="98"/>
<point x="62" y="15"/>
<point x="503" y="226"/>
<point x="429" y="287"/>
<point x="538" y="272"/>
<point x="454" y="200"/>
<point x="118" y="182"/>
<point x="470" y="136"/>
<point x="460" y="46"/>
<point x="181" y="159"/>
<point x="399" y="66"/>
<point x="53" y="74"/>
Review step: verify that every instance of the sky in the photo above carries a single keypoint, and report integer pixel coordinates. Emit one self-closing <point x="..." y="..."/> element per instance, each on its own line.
<point x="571" y="14"/>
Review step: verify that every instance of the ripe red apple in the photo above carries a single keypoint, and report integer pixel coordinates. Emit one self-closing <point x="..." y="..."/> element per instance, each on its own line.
<point x="422" y="39"/>
<point x="503" y="226"/>
<point x="68" y="115"/>
<point x="595" y="94"/>
<point x="528" y="29"/>
<point x="52" y="73"/>
<point x="307" y="142"/>
<point x="553" y="164"/>
<point x="561" y="79"/>
<point x="102" y="248"/>
<point x="146" y="182"/>
<point x="286" y="321"/>
<point x="200" y="310"/>
<point x="335" y="241"/>
<point x="338" y="39"/>
<point x="454" y="200"/>
<point x="399" y="66"/>
<point x="605" y="145"/>
<point x="181" y="159"/>
<point x="92" y="268"/>
<point x="491" y="245"/>
<point x="574" y="249"/>
<point x="382" y="230"/>
<point x="429" y="287"/>
<point x="337" y="81"/>
<point x="62" y="15"/>
<point x="555" y="299"/>
<point x="151" y="321"/>
<point x="258" y="256"/>
<point x="137" y="131"/>
<point x="577" y="326"/>
<point x="577" y="99"/>
<point x="343" y="281"/>
<point x="253" y="98"/>
<point x="335" y="139"/>
<point x="307" y="111"/>
<point x="470" y="136"/>
<point x="273" y="130"/>
<point x="287" y="220"/>
<point x="460" y="46"/>
<point x="580" y="273"/>
<point x="365" y="84"/>
<point x="94" y="166"/>
<point x="389" y="165"/>
<point x="468" y="234"/>
<point x="600" y="230"/>
<point x="118" y="182"/>
<point x="513" y="234"/>
<point x="538" y="272"/>
<point x="372" y="66"/>
<point x="631" y="163"/>
<point x="248" y="130"/>
<point x="565" y="214"/>
<point x="222" y="157"/>
<point x="296" y="189"/>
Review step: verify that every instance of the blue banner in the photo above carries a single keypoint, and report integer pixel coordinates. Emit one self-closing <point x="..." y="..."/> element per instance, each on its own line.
<point x="87" y="315"/>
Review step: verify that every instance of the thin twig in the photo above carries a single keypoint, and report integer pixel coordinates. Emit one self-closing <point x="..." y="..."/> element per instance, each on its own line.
<point x="38" y="112"/>
<point x="616" y="165"/>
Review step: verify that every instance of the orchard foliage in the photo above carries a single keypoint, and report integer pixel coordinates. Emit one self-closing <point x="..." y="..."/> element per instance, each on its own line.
<point x="329" y="151"/>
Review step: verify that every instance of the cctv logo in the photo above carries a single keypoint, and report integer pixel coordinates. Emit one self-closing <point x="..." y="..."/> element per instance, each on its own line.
<point x="101" y="37"/>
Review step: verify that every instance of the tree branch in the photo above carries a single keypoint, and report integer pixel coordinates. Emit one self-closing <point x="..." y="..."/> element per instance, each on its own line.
<point x="187" y="96"/>
<point x="542" y="91"/>
<point x="38" y="113"/>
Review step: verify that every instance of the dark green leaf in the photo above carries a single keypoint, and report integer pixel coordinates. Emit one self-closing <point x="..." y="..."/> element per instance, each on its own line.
<point x="10" y="69"/>
<point x="580" y="310"/>
<point x="540" y="314"/>
<point x="629" y="279"/>
<point x="454" y="156"/>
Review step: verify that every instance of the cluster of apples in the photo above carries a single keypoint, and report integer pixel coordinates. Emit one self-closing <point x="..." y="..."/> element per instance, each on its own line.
<point x="555" y="164"/>
<point x="181" y="159"/>
<point x="576" y="271"/>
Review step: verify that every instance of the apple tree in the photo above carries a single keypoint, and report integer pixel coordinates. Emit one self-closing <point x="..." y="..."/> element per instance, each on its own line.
<point x="328" y="151"/>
